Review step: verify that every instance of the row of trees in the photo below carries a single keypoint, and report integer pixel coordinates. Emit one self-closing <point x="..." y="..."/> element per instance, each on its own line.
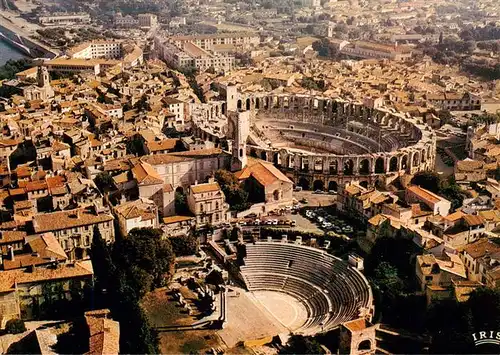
<point x="123" y="274"/>
<point x="9" y="69"/>
<point x="126" y="271"/>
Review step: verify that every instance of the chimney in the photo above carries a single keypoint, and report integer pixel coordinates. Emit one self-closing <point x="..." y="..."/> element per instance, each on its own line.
<point x="11" y="252"/>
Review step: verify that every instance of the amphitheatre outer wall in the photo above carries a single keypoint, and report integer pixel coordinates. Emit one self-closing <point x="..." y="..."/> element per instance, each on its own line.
<point x="410" y="144"/>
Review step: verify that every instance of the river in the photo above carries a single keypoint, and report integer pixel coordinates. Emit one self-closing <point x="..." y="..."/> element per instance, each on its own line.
<point x="8" y="52"/>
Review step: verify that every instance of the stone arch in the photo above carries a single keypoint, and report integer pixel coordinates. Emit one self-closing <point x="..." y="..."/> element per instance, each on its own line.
<point x="334" y="167"/>
<point x="239" y="104"/>
<point x="257" y="103"/>
<point x="276" y="158"/>
<point x="318" y="164"/>
<point x="304" y="183"/>
<point x="318" y="185"/>
<point x="365" y="345"/>
<point x="404" y="162"/>
<point x="379" y="165"/>
<point x="364" y="167"/>
<point x="223" y="108"/>
<point x="416" y="159"/>
<point x="393" y="164"/>
<point x="248" y="104"/>
<point x="422" y="156"/>
<point x="333" y="186"/>
<point x="348" y="167"/>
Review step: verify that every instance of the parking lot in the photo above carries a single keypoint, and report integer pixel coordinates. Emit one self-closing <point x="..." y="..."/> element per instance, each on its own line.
<point x="329" y="223"/>
<point x="314" y="199"/>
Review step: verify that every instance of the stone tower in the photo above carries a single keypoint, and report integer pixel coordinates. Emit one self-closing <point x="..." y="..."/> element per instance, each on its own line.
<point x="232" y="97"/>
<point x="357" y="337"/>
<point x="43" y="77"/>
<point x="241" y="128"/>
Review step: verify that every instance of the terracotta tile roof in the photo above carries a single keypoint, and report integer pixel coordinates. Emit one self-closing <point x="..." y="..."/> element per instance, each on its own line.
<point x="135" y="209"/>
<point x="36" y="186"/>
<point x="7" y="237"/>
<point x="473" y="220"/>
<point x="199" y="153"/>
<point x="22" y="205"/>
<point x="104" y="333"/>
<point x="160" y="159"/>
<point x="44" y="249"/>
<point x="425" y="194"/>
<point x="176" y="219"/>
<point x="491" y="215"/>
<point x="19" y="276"/>
<point x="202" y="188"/>
<point x="166" y="144"/>
<point x="145" y="174"/>
<point x="265" y="173"/>
<point x="481" y="247"/>
<point x="454" y="216"/>
<point x="468" y="165"/>
<point x="377" y="220"/>
<point x="47" y="222"/>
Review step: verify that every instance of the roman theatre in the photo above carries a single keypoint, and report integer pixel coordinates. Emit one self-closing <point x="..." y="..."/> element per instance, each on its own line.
<point x="321" y="142"/>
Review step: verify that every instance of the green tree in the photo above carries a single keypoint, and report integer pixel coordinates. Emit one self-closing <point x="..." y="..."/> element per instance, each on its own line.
<point x="12" y="67"/>
<point x="236" y="196"/>
<point x="184" y="244"/>
<point x="135" y="146"/>
<point x="15" y="326"/>
<point x="299" y="344"/>
<point x="104" y="181"/>
<point x="181" y="206"/>
<point x="145" y="249"/>
<point x="428" y="180"/>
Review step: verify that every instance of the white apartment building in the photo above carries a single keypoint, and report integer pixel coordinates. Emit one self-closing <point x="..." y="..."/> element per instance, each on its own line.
<point x="142" y="213"/>
<point x="207" y="42"/>
<point x="176" y="109"/>
<point x="74" y="229"/>
<point x="208" y="203"/>
<point x="60" y="19"/>
<point x="96" y="49"/>
<point x="142" y="20"/>
<point x="190" y="55"/>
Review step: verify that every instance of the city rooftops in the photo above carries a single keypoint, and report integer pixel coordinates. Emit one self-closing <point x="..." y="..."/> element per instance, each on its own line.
<point x="204" y="188"/>
<point x="47" y="222"/>
<point x="425" y="194"/>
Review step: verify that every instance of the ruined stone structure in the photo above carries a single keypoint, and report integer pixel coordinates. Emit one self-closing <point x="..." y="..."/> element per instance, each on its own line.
<point x="321" y="142"/>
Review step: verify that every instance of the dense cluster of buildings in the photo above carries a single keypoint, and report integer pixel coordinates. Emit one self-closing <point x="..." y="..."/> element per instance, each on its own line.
<point x="203" y="52"/>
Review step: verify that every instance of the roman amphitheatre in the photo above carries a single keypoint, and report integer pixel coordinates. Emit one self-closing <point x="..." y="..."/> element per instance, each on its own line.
<point x="321" y="143"/>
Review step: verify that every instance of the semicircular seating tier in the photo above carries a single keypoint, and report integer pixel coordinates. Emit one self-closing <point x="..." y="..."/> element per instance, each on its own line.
<point x="331" y="291"/>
